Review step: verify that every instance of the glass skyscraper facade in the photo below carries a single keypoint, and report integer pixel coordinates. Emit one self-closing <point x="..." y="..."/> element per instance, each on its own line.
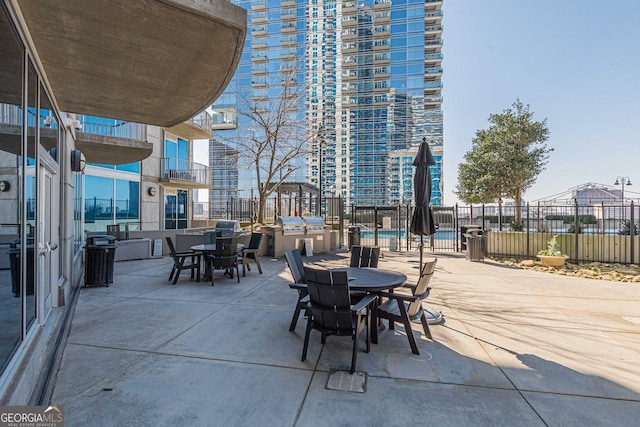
<point x="370" y="73"/>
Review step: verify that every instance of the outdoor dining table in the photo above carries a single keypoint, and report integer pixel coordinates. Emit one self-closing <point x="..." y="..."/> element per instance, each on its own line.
<point x="210" y="248"/>
<point x="372" y="280"/>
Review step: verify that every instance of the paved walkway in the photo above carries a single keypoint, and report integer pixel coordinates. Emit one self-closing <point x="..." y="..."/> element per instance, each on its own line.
<point x="517" y="347"/>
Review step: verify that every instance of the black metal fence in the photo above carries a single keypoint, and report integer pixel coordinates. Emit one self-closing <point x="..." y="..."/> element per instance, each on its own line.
<point x="592" y="233"/>
<point x="602" y="233"/>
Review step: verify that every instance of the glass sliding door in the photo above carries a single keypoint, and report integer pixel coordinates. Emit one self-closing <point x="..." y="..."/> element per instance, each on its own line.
<point x="176" y="209"/>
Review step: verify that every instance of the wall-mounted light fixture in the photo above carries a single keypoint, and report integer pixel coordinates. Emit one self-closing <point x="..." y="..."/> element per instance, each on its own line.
<point x="151" y="191"/>
<point x="78" y="162"/>
<point x="5" y="186"/>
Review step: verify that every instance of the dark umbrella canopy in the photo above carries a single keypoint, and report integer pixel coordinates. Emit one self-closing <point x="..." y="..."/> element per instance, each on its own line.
<point x="422" y="221"/>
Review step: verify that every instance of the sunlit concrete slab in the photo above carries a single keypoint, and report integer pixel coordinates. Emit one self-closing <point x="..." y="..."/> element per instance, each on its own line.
<point x="563" y="410"/>
<point x="157" y="62"/>
<point x="393" y="402"/>
<point x="478" y="369"/>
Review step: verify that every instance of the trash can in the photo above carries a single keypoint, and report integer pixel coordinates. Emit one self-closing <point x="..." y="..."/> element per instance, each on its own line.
<point x="475" y="245"/>
<point x="16" y="268"/>
<point x="100" y="250"/>
<point x="464" y="230"/>
<point x="353" y="235"/>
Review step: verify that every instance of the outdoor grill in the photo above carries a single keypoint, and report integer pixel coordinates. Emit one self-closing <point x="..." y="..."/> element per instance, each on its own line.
<point x="314" y="224"/>
<point x="291" y="225"/>
<point x="228" y="228"/>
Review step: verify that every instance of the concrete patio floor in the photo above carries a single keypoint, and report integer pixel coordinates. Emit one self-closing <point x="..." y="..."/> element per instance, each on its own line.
<point x="517" y="347"/>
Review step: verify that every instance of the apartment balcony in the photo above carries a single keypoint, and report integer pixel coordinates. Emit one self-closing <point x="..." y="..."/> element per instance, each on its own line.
<point x="285" y="4"/>
<point x="432" y="102"/>
<point x="183" y="174"/>
<point x="110" y="59"/>
<point x="382" y="4"/>
<point x="288" y="28"/>
<point x="110" y="141"/>
<point x="288" y="56"/>
<point x="259" y="84"/>
<point x="433" y="18"/>
<point x="259" y="32"/>
<point x="222" y="122"/>
<point x="262" y="58"/>
<point x="433" y="32"/>
<point x="350" y="22"/>
<point x="259" y="46"/>
<point x="259" y="5"/>
<point x="433" y="74"/>
<point x="259" y="71"/>
<point x="433" y="88"/>
<point x="197" y="127"/>
<point x="433" y="60"/>
<point x="288" y="16"/>
<point x="288" y="43"/>
<point x="259" y="19"/>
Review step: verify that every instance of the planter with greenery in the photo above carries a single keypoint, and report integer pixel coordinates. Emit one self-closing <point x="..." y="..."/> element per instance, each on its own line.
<point x="552" y="256"/>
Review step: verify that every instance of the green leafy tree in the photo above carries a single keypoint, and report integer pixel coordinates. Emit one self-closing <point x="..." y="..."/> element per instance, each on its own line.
<point x="505" y="159"/>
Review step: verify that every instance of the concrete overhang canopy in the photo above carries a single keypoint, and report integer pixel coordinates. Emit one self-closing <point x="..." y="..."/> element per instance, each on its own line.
<point x="154" y="61"/>
<point x="112" y="150"/>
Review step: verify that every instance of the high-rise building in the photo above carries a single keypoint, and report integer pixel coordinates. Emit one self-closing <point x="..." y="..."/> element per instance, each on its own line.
<point x="370" y="73"/>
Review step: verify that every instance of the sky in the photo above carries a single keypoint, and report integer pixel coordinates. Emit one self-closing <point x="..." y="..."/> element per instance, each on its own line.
<point x="576" y="63"/>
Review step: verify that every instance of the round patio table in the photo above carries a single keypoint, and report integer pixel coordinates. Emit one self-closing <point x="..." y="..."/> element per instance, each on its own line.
<point x="210" y="248"/>
<point x="372" y="280"/>
<point x="367" y="279"/>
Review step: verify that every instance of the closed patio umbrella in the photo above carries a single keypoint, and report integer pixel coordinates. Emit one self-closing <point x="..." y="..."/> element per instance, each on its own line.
<point x="422" y="220"/>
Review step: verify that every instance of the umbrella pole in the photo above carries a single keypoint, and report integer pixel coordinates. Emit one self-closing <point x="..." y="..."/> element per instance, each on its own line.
<point x="421" y="246"/>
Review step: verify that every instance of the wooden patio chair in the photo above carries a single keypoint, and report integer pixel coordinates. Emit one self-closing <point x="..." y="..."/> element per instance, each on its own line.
<point x="225" y="257"/>
<point x="331" y="312"/>
<point x="180" y="262"/>
<point x="364" y="256"/>
<point x="251" y="253"/>
<point x="296" y="266"/>
<point x="404" y="308"/>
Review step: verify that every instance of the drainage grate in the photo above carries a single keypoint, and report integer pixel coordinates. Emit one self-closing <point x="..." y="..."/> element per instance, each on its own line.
<point x="344" y="381"/>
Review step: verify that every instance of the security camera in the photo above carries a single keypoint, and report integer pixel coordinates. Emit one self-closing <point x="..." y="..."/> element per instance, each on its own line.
<point x="47" y="121"/>
<point x="77" y="125"/>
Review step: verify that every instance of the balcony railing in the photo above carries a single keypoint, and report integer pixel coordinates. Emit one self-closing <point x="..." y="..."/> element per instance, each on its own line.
<point x="113" y="127"/>
<point x="182" y="170"/>
<point x="203" y="120"/>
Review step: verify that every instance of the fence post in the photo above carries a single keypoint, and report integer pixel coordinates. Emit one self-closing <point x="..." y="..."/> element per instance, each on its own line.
<point x="576" y="229"/>
<point x="632" y="229"/>
<point x="375" y="225"/>
<point x="527" y="216"/>
<point x="456" y="231"/>
<point x="399" y="247"/>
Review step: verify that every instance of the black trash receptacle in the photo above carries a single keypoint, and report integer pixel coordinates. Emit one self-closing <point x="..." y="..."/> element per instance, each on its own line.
<point x="354" y="235"/>
<point x="100" y="251"/>
<point x="464" y="230"/>
<point x="475" y="245"/>
<point x="16" y="268"/>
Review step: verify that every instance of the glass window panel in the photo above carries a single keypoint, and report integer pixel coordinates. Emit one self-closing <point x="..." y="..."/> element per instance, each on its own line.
<point x="31" y="196"/>
<point x="98" y="203"/>
<point x="127" y="207"/>
<point x="11" y="110"/>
